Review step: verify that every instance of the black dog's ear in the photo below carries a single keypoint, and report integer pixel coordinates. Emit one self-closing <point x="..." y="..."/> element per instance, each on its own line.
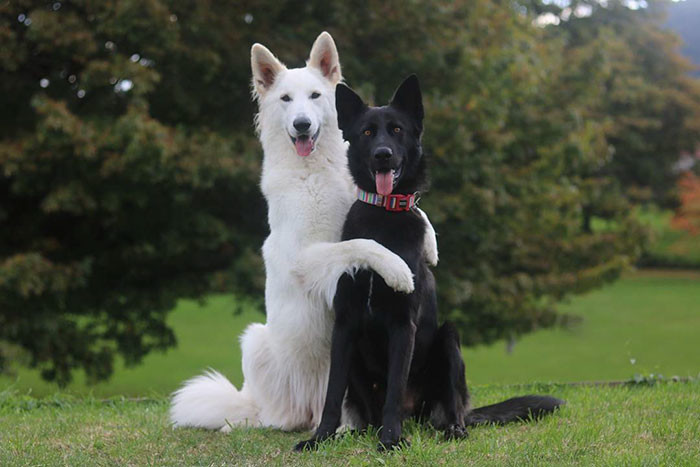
<point x="349" y="106"/>
<point x="408" y="99"/>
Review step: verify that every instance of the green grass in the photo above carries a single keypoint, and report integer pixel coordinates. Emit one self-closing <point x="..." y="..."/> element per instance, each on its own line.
<point x="624" y="425"/>
<point x="649" y="318"/>
<point x="207" y="335"/>
<point x="645" y="323"/>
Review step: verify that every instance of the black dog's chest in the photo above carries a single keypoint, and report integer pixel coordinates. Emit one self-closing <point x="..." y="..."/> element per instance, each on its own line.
<point x="380" y="308"/>
<point x="378" y="301"/>
<point x="401" y="232"/>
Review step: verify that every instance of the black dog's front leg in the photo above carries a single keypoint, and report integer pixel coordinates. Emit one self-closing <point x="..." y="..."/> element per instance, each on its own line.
<point x="401" y="341"/>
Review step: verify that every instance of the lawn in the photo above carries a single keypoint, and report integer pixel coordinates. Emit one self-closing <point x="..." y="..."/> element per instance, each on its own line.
<point x="648" y="322"/>
<point x="623" y="425"/>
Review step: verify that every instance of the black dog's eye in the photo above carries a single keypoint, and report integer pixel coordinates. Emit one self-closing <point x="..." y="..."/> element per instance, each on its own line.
<point x="315" y="95"/>
<point x="397" y="129"/>
<point x="286" y="98"/>
<point x="368" y="132"/>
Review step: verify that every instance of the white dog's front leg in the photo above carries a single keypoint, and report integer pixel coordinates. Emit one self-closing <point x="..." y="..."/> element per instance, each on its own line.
<point x="430" y="247"/>
<point x="319" y="266"/>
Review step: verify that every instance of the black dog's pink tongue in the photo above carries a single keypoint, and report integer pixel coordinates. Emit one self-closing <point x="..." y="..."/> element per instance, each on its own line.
<point x="304" y="146"/>
<point x="385" y="182"/>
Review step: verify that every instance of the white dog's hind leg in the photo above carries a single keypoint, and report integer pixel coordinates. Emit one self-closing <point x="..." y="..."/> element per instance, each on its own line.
<point x="289" y="386"/>
<point x="211" y="401"/>
<point x="320" y="266"/>
<point x="430" y="247"/>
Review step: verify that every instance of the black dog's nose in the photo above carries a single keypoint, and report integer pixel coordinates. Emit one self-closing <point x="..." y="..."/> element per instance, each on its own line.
<point x="302" y="123"/>
<point x="382" y="152"/>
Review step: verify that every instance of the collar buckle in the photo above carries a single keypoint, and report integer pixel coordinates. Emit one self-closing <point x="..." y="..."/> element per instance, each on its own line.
<point x="393" y="203"/>
<point x="398" y="202"/>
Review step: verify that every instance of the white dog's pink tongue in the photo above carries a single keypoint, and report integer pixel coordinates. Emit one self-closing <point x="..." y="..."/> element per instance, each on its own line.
<point x="304" y="146"/>
<point x="385" y="182"/>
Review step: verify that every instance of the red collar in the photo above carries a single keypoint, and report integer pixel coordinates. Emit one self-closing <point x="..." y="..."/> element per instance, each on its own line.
<point x="394" y="203"/>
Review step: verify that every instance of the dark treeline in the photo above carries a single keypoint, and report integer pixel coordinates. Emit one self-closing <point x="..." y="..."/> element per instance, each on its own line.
<point x="129" y="164"/>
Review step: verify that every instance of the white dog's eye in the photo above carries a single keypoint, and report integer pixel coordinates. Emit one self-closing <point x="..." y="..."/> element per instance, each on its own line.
<point x="315" y="95"/>
<point x="286" y="98"/>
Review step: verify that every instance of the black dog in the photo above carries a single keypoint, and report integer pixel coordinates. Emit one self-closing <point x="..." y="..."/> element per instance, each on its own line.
<point x="387" y="349"/>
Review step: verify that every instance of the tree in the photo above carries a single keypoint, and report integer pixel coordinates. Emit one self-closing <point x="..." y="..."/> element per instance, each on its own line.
<point x="514" y="158"/>
<point x="109" y="211"/>
<point x="129" y="165"/>
<point x="687" y="215"/>
<point x="649" y="101"/>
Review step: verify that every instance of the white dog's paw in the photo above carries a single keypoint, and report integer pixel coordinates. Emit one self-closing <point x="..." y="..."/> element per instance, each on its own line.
<point x="397" y="275"/>
<point x="431" y="253"/>
<point x="226" y="428"/>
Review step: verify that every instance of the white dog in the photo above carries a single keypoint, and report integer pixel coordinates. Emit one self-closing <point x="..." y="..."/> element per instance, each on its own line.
<point x="309" y="192"/>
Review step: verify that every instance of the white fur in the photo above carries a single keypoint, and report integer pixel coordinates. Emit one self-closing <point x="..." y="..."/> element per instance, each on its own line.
<point x="430" y="248"/>
<point x="286" y="360"/>
<point x="216" y="399"/>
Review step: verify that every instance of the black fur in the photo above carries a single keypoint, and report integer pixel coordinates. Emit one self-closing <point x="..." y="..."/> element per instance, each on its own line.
<point x="516" y="409"/>
<point x="389" y="357"/>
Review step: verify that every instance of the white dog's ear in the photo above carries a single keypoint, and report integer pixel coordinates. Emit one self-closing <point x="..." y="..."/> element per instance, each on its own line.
<point x="324" y="57"/>
<point x="265" y="67"/>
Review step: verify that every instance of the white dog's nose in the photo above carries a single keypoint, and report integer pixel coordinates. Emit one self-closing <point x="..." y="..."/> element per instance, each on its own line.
<point x="302" y="124"/>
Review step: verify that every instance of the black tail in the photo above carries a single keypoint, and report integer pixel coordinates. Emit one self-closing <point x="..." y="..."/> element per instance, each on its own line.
<point x="516" y="409"/>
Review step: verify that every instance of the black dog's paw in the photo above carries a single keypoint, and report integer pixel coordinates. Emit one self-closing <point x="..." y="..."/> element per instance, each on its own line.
<point x="455" y="432"/>
<point x="390" y="445"/>
<point x="308" y="445"/>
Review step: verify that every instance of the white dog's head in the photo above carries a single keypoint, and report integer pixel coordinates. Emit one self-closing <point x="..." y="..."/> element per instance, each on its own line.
<point x="300" y="101"/>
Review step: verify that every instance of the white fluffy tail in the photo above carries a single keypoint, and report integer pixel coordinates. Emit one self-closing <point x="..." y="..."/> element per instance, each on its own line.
<point x="211" y="401"/>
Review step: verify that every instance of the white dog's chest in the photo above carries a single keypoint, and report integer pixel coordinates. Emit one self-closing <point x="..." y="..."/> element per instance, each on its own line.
<point x="308" y="210"/>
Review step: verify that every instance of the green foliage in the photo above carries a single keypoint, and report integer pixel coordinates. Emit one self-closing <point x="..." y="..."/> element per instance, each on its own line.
<point x="515" y="159"/>
<point x="129" y="166"/>
<point x="108" y="213"/>
<point x="649" y="102"/>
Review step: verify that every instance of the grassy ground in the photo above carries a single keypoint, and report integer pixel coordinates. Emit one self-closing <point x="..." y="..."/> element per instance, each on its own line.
<point x="645" y="323"/>
<point x="207" y="336"/>
<point x="638" y="425"/>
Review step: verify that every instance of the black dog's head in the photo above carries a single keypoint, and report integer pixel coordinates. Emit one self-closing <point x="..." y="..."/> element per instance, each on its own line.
<point x="385" y="154"/>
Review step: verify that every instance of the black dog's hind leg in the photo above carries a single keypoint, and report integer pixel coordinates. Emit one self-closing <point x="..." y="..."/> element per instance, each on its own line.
<point x="345" y="332"/>
<point x="450" y="388"/>
<point x="402" y="335"/>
